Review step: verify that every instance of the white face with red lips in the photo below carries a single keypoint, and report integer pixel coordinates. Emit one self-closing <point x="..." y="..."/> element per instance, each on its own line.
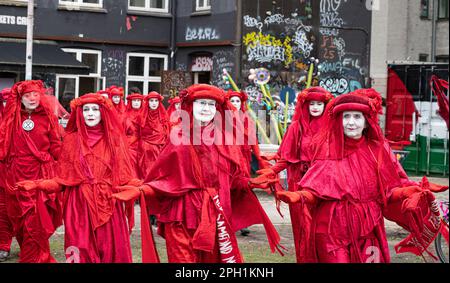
<point x="153" y="103"/>
<point x="204" y="110"/>
<point x="91" y="114"/>
<point x="236" y="101"/>
<point x="354" y="124"/>
<point x="31" y="100"/>
<point x="136" y="104"/>
<point x="316" y="108"/>
<point x="116" y="99"/>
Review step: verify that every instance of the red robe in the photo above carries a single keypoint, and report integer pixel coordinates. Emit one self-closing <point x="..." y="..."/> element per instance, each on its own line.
<point x="347" y="225"/>
<point x="153" y="136"/>
<point x="187" y="214"/>
<point x="6" y="230"/>
<point x="35" y="215"/>
<point x="295" y="156"/>
<point x="95" y="223"/>
<point x="132" y="132"/>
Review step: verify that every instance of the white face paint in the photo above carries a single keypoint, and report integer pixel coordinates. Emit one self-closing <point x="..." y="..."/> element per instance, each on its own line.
<point x="116" y="99"/>
<point x="236" y="101"/>
<point x="136" y="104"/>
<point x="31" y="100"/>
<point x="316" y="108"/>
<point x="177" y="106"/>
<point x="354" y="124"/>
<point x="91" y="114"/>
<point x="153" y="103"/>
<point x="204" y="110"/>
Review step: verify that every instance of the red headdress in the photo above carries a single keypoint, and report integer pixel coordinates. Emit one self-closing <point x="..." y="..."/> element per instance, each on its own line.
<point x="242" y="96"/>
<point x="172" y="108"/>
<point x="132" y="97"/>
<point x="117" y="91"/>
<point x="204" y="91"/>
<point x="12" y="121"/>
<point x="160" y="114"/>
<point x="109" y="125"/>
<point x="307" y="95"/>
<point x="304" y="127"/>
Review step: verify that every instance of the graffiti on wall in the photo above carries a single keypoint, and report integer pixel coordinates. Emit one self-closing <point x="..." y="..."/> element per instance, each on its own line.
<point x="202" y="64"/>
<point x="342" y="69"/>
<point x="113" y="66"/>
<point x="201" y="33"/>
<point x="280" y="39"/>
<point x="223" y="59"/>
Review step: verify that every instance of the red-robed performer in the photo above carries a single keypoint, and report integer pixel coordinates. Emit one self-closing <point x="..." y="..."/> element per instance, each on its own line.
<point x="203" y="195"/>
<point x="153" y="132"/>
<point x="249" y="141"/>
<point x="131" y="126"/>
<point x="294" y="153"/>
<point x="116" y="95"/>
<point x="94" y="161"/>
<point x="6" y="230"/>
<point x="353" y="182"/>
<point x="30" y="142"/>
<point x="173" y="111"/>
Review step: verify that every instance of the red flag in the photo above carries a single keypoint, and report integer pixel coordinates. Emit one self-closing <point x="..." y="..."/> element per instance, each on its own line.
<point x="438" y="86"/>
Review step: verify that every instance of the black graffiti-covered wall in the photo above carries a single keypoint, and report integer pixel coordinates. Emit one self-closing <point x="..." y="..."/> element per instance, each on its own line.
<point x="344" y="45"/>
<point x="283" y="35"/>
<point x="277" y="35"/>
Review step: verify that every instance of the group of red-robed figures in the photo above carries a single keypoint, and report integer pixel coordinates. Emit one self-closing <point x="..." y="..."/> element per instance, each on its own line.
<point x="343" y="177"/>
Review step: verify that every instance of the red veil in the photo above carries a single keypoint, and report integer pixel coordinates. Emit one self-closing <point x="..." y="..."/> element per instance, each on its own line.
<point x="12" y="122"/>
<point x="73" y="168"/>
<point x="178" y="169"/>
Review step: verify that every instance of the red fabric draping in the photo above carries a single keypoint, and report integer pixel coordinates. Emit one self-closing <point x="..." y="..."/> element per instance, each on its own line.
<point x="34" y="215"/>
<point x="93" y="162"/>
<point x="153" y="136"/>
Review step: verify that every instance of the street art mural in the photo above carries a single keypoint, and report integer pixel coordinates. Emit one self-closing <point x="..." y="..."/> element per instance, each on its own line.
<point x="344" y="47"/>
<point x="283" y="36"/>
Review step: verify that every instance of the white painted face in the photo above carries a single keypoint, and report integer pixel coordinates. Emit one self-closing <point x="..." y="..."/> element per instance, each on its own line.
<point x="31" y="100"/>
<point x="116" y="99"/>
<point x="354" y="124"/>
<point x="136" y="104"/>
<point x="236" y="101"/>
<point x="153" y="103"/>
<point x="177" y="106"/>
<point x="204" y="110"/>
<point x="91" y="114"/>
<point x="316" y="108"/>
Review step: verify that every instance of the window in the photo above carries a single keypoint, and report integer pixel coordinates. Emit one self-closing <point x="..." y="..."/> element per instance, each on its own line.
<point x="423" y="57"/>
<point x="69" y="87"/>
<point x="202" y="5"/>
<point x="87" y="3"/>
<point x="424" y="9"/>
<point x="442" y="58"/>
<point x="443" y="9"/>
<point x="145" y="70"/>
<point x="149" y="5"/>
